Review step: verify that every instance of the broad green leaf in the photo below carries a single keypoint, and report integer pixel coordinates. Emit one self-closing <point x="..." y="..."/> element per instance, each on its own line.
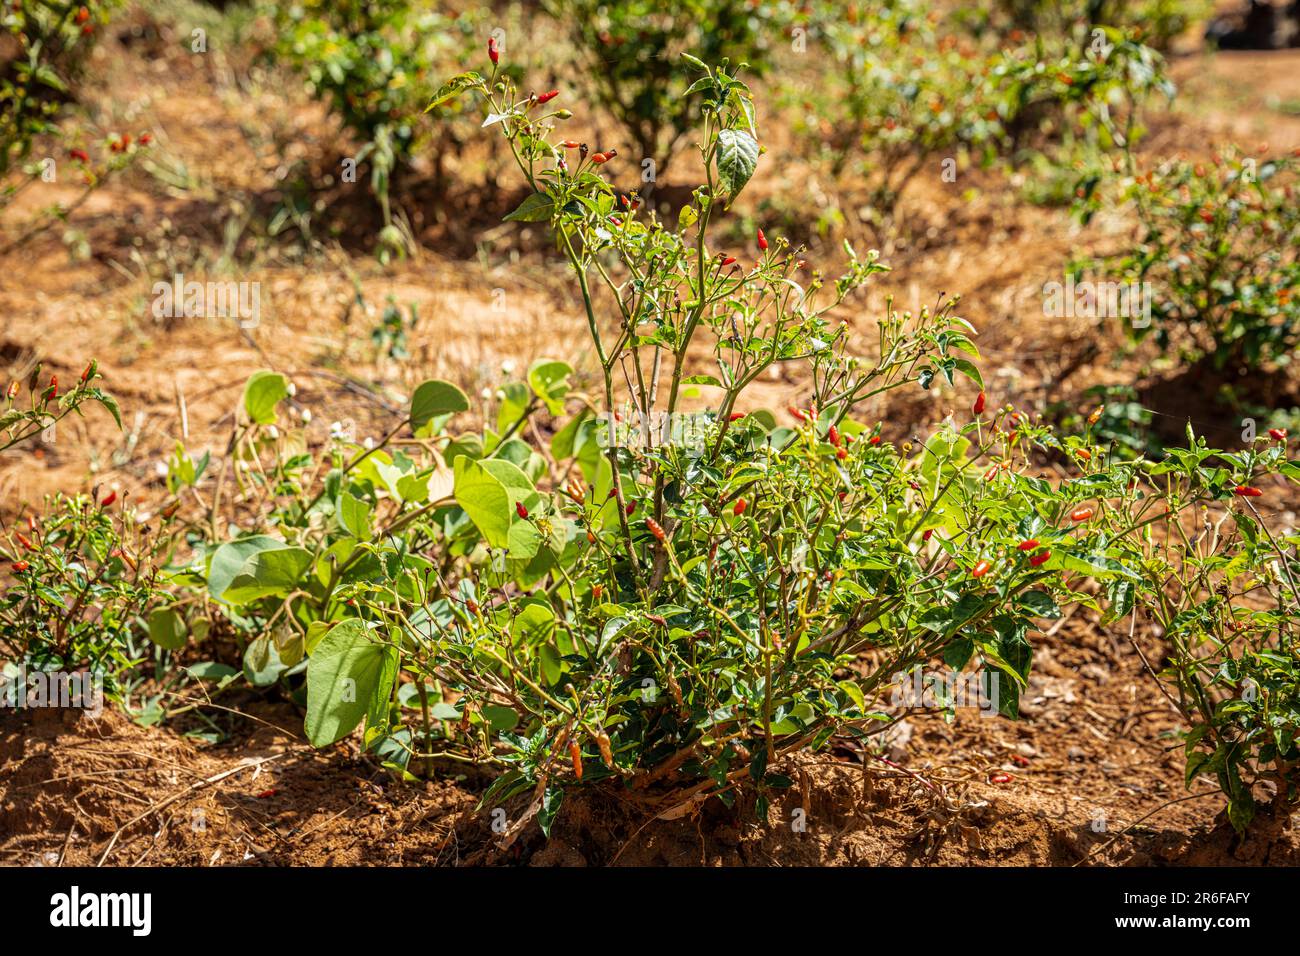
<point x="349" y="676"/>
<point x="211" y="670"/>
<point x="273" y="572"/>
<point x="228" y="559"/>
<point x="167" y="628"/>
<point x="536" y="208"/>
<point x="263" y="392"/>
<point x="737" y="158"/>
<point x="354" y="515"/>
<point x="262" y="664"/>
<point x="485" y="500"/>
<point x="433" y="398"/>
<point x="550" y="382"/>
<point x="535" y="622"/>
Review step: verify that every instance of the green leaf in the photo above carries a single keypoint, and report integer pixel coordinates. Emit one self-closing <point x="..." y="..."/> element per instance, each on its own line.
<point x="433" y="398"/>
<point x="500" y="717"/>
<point x="485" y="500"/>
<point x="349" y="676"/>
<point x="262" y="664"/>
<point x="109" y="402"/>
<point x="453" y="88"/>
<point x="354" y="515"/>
<point x="276" y="571"/>
<point x="538" y="207"/>
<point x="167" y="628"/>
<point x="549" y="380"/>
<point x="564" y="441"/>
<point x="551" y="801"/>
<point x="228" y="559"/>
<point x="736" y="159"/>
<point x="971" y="371"/>
<point x="535" y="622"/>
<point x="263" y="392"/>
<point x="211" y="670"/>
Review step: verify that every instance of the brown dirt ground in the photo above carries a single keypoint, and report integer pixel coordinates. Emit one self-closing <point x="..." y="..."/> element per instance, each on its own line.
<point x="1093" y="763"/>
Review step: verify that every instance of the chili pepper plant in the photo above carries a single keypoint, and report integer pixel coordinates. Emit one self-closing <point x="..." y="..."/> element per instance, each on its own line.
<point x="669" y="599"/>
<point x="1218" y="245"/>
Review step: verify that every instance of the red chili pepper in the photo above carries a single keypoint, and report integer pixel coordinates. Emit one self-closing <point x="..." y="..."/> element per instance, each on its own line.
<point x="547" y="97"/>
<point x="1246" y="491"/>
<point x="1020" y="760"/>
<point x="596" y="591"/>
<point x="875" y="439"/>
<point x="728" y="261"/>
<point x="834" y="435"/>
<point x="1081" y="514"/>
<point x="575" y="757"/>
<point x="267" y="793"/>
<point x="25" y="541"/>
<point x="927" y="534"/>
<point x="109" y="499"/>
<point x="798" y="413"/>
<point x="981" y="569"/>
<point x="655" y="529"/>
<point x="762" y="241"/>
<point x="472" y="605"/>
<point x="606" y="752"/>
<point x="493" y="54"/>
<point x="12" y="392"/>
<point x="21" y="565"/>
<point x="80" y="155"/>
<point x="736" y="416"/>
<point x="570" y="144"/>
<point x="631" y="507"/>
<point x="89" y="371"/>
<point x="145" y="139"/>
<point x="739" y="507"/>
<point x="520" y="509"/>
<point x="978" y="407"/>
<point x="598" y="158"/>
<point x="842" y="454"/>
<point x="591" y="538"/>
<point x="1039" y="559"/>
<point x="1277" y="434"/>
<point x="1028" y="544"/>
<point x="1000" y="778"/>
<point x="82" y="15"/>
